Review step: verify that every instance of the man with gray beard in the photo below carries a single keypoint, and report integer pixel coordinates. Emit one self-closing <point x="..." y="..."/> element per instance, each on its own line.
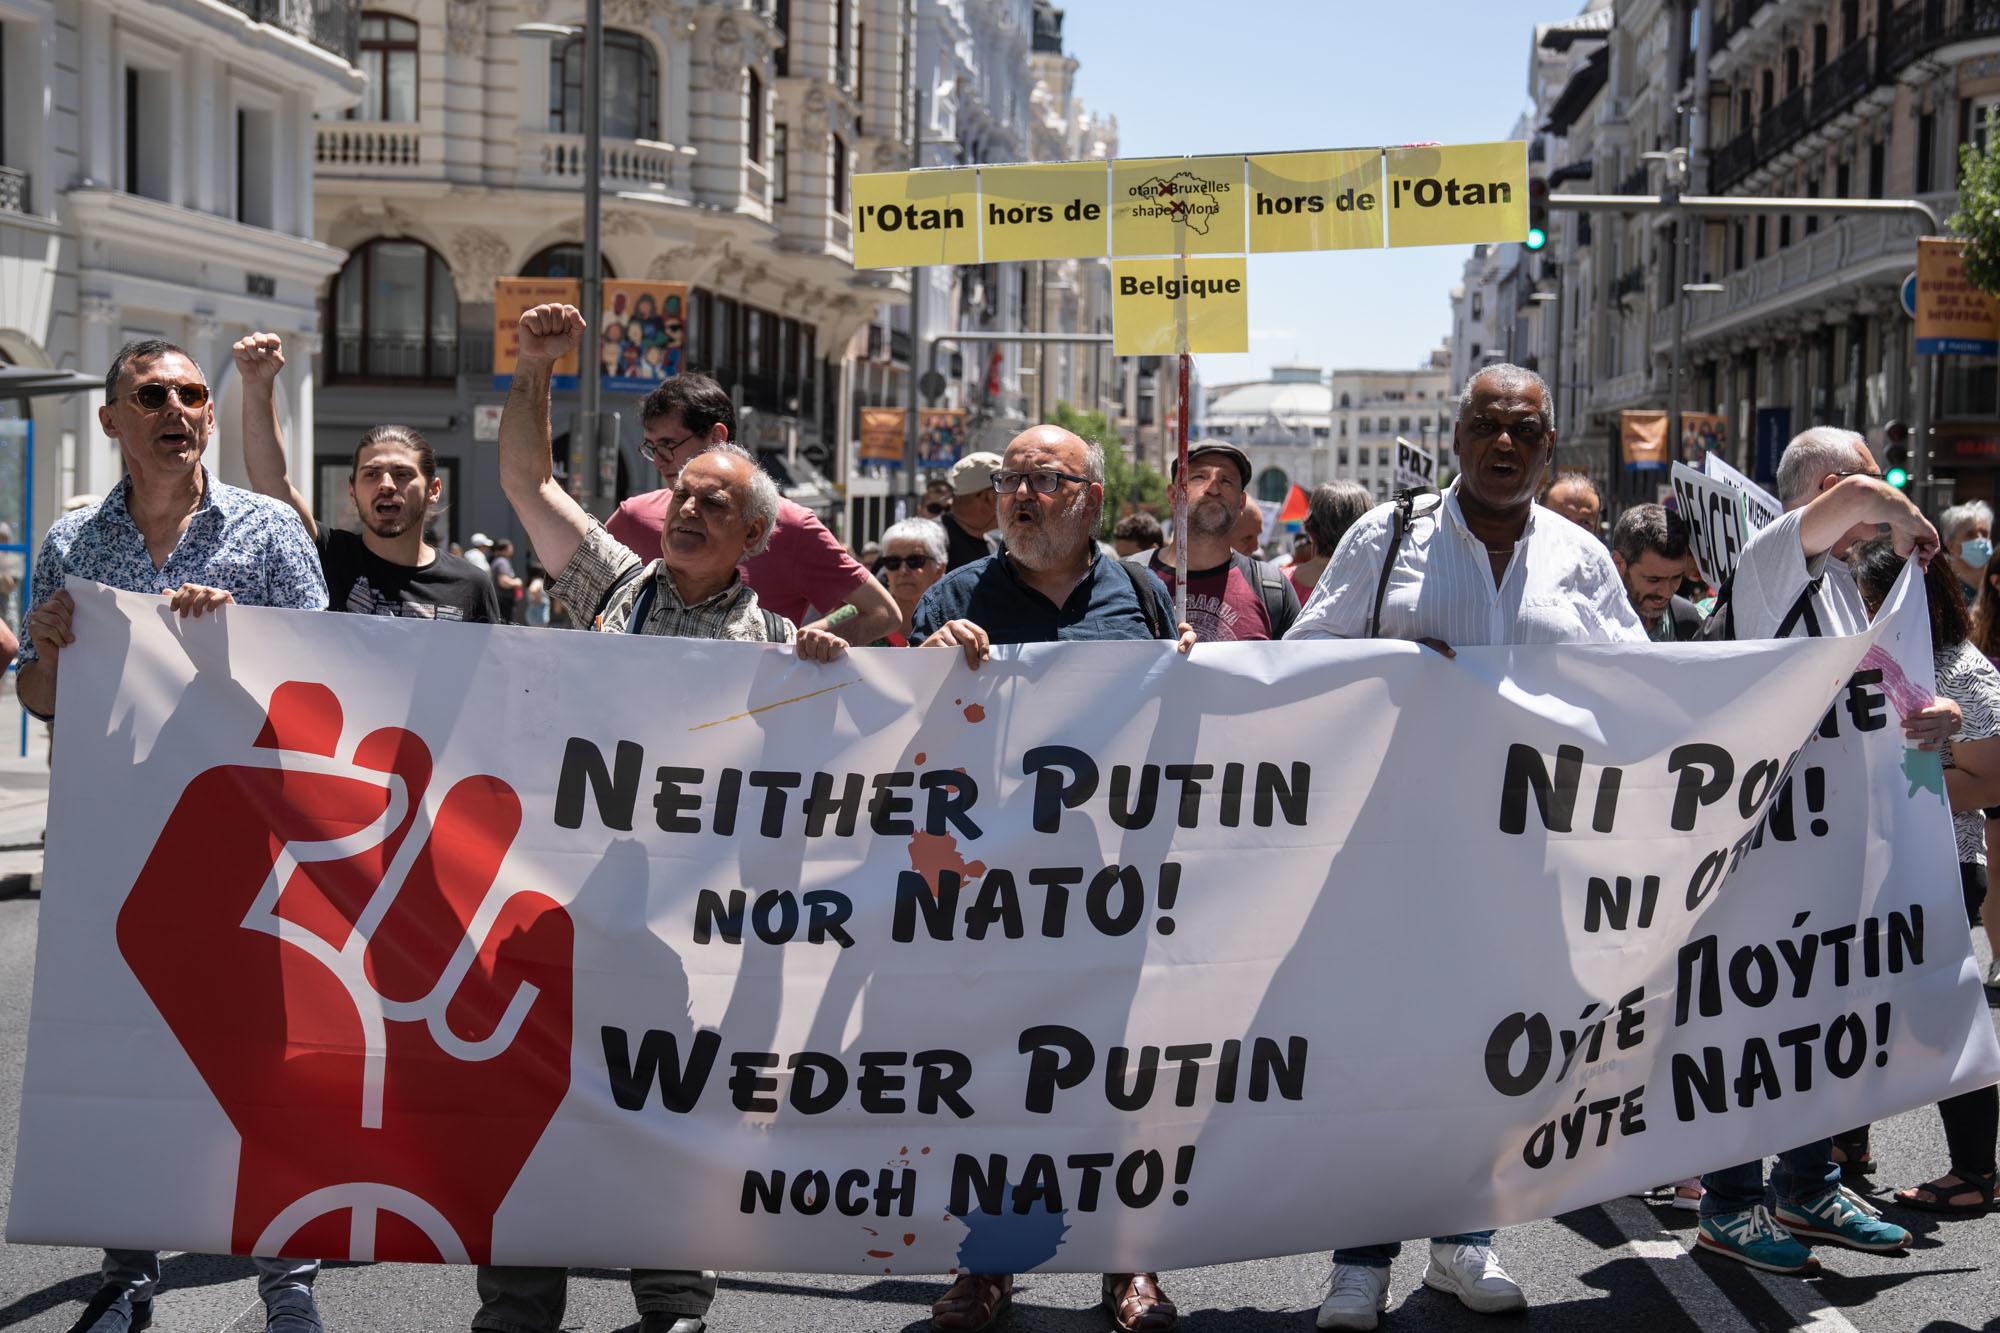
<point x="1230" y="596"/>
<point x="1049" y="584"/>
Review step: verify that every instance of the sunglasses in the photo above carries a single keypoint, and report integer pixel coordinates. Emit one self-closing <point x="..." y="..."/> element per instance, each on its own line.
<point x="892" y="563"/>
<point x="152" y="397"/>
<point x="1044" y="481"/>
<point x="935" y="509"/>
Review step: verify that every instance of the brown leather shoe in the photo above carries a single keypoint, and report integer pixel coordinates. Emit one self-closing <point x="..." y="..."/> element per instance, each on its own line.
<point x="973" y="1302"/>
<point x="1137" y="1304"/>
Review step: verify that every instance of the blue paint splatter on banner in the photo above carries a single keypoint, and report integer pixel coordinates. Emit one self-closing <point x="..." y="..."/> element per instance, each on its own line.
<point x="1012" y="1242"/>
<point x="1925" y="770"/>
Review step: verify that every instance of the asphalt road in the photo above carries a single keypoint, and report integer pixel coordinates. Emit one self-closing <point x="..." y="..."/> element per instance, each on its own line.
<point x="1622" y="1265"/>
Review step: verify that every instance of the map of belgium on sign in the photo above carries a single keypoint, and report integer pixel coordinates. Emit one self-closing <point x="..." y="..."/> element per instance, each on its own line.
<point x="1174" y="193"/>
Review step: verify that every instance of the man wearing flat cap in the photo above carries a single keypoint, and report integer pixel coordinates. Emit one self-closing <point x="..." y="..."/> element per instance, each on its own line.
<point x="1230" y="595"/>
<point x="973" y="510"/>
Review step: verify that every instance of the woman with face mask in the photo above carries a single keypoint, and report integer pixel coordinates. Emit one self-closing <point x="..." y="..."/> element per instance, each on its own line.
<point x="1967" y="531"/>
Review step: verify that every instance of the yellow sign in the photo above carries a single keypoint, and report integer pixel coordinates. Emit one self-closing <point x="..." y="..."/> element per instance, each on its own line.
<point x="514" y="297"/>
<point x="1177" y="206"/>
<point x="1163" y="306"/>
<point x="1953" y="316"/>
<point x="1467" y="194"/>
<point x="916" y="217"/>
<point x="1316" y="201"/>
<point x="1042" y="212"/>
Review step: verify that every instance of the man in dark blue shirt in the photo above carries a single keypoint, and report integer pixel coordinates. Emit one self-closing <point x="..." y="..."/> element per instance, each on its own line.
<point x="1049" y="584"/>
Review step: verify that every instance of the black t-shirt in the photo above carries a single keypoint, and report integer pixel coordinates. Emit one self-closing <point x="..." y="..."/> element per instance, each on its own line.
<point x="358" y="580"/>
<point x="962" y="547"/>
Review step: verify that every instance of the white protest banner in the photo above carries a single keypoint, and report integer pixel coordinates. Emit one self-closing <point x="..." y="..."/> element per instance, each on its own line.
<point x="1717" y="517"/>
<point x="374" y="939"/>
<point x="1415" y="465"/>
<point x="1763" y="506"/>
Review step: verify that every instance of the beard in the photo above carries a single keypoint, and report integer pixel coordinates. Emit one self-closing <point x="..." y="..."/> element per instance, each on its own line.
<point x="394" y="525"/>
<point x="1211" y="517"/>
<point x="1052" y="540"/>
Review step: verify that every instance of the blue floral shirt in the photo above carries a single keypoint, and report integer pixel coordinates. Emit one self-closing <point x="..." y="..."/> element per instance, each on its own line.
<point x="250" y="544"/>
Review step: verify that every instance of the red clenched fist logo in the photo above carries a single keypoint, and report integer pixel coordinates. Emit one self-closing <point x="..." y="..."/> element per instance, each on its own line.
<point x="388" y="1030"/>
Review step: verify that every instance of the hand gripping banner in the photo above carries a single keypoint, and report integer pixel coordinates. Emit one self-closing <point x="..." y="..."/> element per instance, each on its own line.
<point x="363" y="939"/>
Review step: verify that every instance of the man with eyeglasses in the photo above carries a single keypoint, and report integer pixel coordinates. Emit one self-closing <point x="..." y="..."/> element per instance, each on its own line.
<point x="1792" y="579"/>
<point x="805" y="569"/>
<point x="168" y="527"/>
<point x="1051" y="583"/>
<point x="1486" y="565"/>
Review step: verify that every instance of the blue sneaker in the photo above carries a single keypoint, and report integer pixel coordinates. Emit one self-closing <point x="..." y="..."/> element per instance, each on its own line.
<point x="1839" y="1216"/>
<point x="1751" y="1237"/>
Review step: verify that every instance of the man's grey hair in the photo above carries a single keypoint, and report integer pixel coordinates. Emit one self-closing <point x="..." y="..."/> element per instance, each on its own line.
<point x="1572" y="479"/>
<point x="760" y="494"/>
<point x="1812" y="455"/>
<point x="1511" y="376"/>
<point x="1644" y="528"/>
<point x="926" y="530"/>
<point x="1960" y="517"/>
<point x="1332" y="510"/>
<point x="1093" y="461"/>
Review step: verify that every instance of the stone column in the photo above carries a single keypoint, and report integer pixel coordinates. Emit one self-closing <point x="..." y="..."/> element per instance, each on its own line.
<point x="97" y="465"/>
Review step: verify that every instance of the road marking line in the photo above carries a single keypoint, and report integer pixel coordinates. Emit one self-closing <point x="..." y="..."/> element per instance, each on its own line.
<point x="1803" y="1302"/>
<point x="1668" y="1259"/>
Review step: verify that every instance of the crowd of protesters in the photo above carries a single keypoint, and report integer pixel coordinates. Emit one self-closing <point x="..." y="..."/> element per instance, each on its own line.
<point x="1005" y="551"/>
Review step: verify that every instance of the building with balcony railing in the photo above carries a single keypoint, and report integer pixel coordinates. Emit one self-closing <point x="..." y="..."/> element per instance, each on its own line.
<point x="156" y="179"/>
<point x="1840" y="99"/>
<point x="731" y="129"/>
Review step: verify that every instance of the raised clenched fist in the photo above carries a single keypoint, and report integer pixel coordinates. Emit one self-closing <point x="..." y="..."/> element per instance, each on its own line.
<point x="259" y="357"/>
<point x="387" y="1028"/>
<point x="550" y="332"/>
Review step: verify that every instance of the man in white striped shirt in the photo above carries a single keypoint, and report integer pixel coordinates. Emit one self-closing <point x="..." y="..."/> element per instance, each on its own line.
<point x="1486" y="566"/>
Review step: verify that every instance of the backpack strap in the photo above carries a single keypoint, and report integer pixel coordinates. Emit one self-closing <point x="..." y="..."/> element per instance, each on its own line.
<point x="1802" y="608"/>
<point x="642" y="606"/>
<point x="1399" y="527"/>
<point x="1270" y="583"/>
<point x="1154" y="625"/>
<point x="618" y="585"/>
<point x="774" y="625"/>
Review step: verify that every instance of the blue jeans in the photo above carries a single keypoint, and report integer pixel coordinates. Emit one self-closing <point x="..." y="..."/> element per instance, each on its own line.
<point x="519" y="1299"/>
<point x="137" y="1273"/>
<point x="1801" y="1174"/>
<point x="1380" y="1256"/>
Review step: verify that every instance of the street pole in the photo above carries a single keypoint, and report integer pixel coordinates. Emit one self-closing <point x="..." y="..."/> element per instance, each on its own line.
<point x="917" y="287"/>
<point x="1180" y="499"/>
<point x="1920" y="436"/>
<point x="597" y="489"/>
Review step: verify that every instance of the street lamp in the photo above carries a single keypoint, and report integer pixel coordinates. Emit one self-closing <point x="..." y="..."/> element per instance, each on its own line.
<point x="594" y="463"/>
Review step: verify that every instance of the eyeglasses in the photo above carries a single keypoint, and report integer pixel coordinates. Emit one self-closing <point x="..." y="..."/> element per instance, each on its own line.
<point x="661" y="454"/>
<point x="1045" y="481"/>
<point x="152" y="397"/>
<point x="892" y="563"/>
<point x="1859" y="472"/>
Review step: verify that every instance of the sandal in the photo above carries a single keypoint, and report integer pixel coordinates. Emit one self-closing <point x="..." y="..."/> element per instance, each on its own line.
<point x="1935" y="1196"/>
<point x="973" y="1302"/>
<point x="1136" y="1303"/>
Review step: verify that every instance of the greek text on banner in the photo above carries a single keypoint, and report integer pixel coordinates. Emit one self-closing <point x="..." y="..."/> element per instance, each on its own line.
<point x="889" y="966"/>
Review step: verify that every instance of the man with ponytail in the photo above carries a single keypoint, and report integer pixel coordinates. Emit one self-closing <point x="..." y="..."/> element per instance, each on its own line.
<point x="386" y="569"/>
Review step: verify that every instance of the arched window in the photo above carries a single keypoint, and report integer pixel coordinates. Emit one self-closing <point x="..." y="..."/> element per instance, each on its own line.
<point x="389" y="59"/>
<point x="395" y="314"/>
<point x="562" y="261"/>
<point x="631" y="87"/>
<point x="1273" y="484"/>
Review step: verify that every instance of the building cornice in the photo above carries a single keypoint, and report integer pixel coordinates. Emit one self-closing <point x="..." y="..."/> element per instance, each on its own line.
<point x="134" y="222"/>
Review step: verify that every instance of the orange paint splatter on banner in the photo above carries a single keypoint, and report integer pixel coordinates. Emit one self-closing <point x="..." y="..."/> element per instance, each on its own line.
<point x="974" y="713"/>
<point x="921" y="756"/>
<point x="931" y="853"/>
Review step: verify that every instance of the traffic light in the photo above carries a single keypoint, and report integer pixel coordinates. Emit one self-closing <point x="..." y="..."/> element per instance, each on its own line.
<point x="1897" y="474"/>
<point x="1538" y="214"/>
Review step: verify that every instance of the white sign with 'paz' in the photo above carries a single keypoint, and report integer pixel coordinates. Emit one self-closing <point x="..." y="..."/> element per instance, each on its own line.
<point x="1718" y="520"/>
<point x="1415" y="465"/>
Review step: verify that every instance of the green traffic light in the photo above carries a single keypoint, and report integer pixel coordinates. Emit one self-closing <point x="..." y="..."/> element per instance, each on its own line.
<point x="1537" y="238"/>
<point x="1896" y="477"/>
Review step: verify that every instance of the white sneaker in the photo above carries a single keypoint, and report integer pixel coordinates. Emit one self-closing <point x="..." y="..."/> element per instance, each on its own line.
<point x="1993" y="974"/>
<point x="1356" y="1296"/>
<point x="1471" y="1273"/>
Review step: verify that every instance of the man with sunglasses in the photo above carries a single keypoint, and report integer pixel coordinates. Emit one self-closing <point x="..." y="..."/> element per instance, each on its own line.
<point x="803" y="570"/>
<point x="1487" y="565"/>
<point x="168" y="527"/>
<point x="1051" y="583"/>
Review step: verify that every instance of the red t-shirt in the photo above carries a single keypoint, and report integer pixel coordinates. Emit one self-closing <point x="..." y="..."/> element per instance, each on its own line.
<point x="1304" y="589"/>
<point x="1223" y="605"/>
<point x="805" y="566"/>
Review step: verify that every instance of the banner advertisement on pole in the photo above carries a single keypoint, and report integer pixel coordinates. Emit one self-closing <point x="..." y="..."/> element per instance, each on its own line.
<point x="1415" y="465"/>
<point x="882" y="435"/>
<point x="514" y="297"/>
<point x="1763" y="506"/>
<point x="1954" y="318"/>
<point x="1718" y="520"/>
<point x="1702" y="433"/>
<point x="644" y="334"/>
<point x="940" y="436"/>
<point x="1642" y="435"/>
<point x="884" y="966"/>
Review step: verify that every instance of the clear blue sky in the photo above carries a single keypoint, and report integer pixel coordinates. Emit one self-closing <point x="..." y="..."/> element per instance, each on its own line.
<point x="1268" y="75"/>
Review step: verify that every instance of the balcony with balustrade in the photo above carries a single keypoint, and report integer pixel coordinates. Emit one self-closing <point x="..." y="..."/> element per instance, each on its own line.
<point x="1920" y="28"/>
<point x="630" y="166"/>
<point x="331" y="25"/>
<point x="396" y="150"/>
